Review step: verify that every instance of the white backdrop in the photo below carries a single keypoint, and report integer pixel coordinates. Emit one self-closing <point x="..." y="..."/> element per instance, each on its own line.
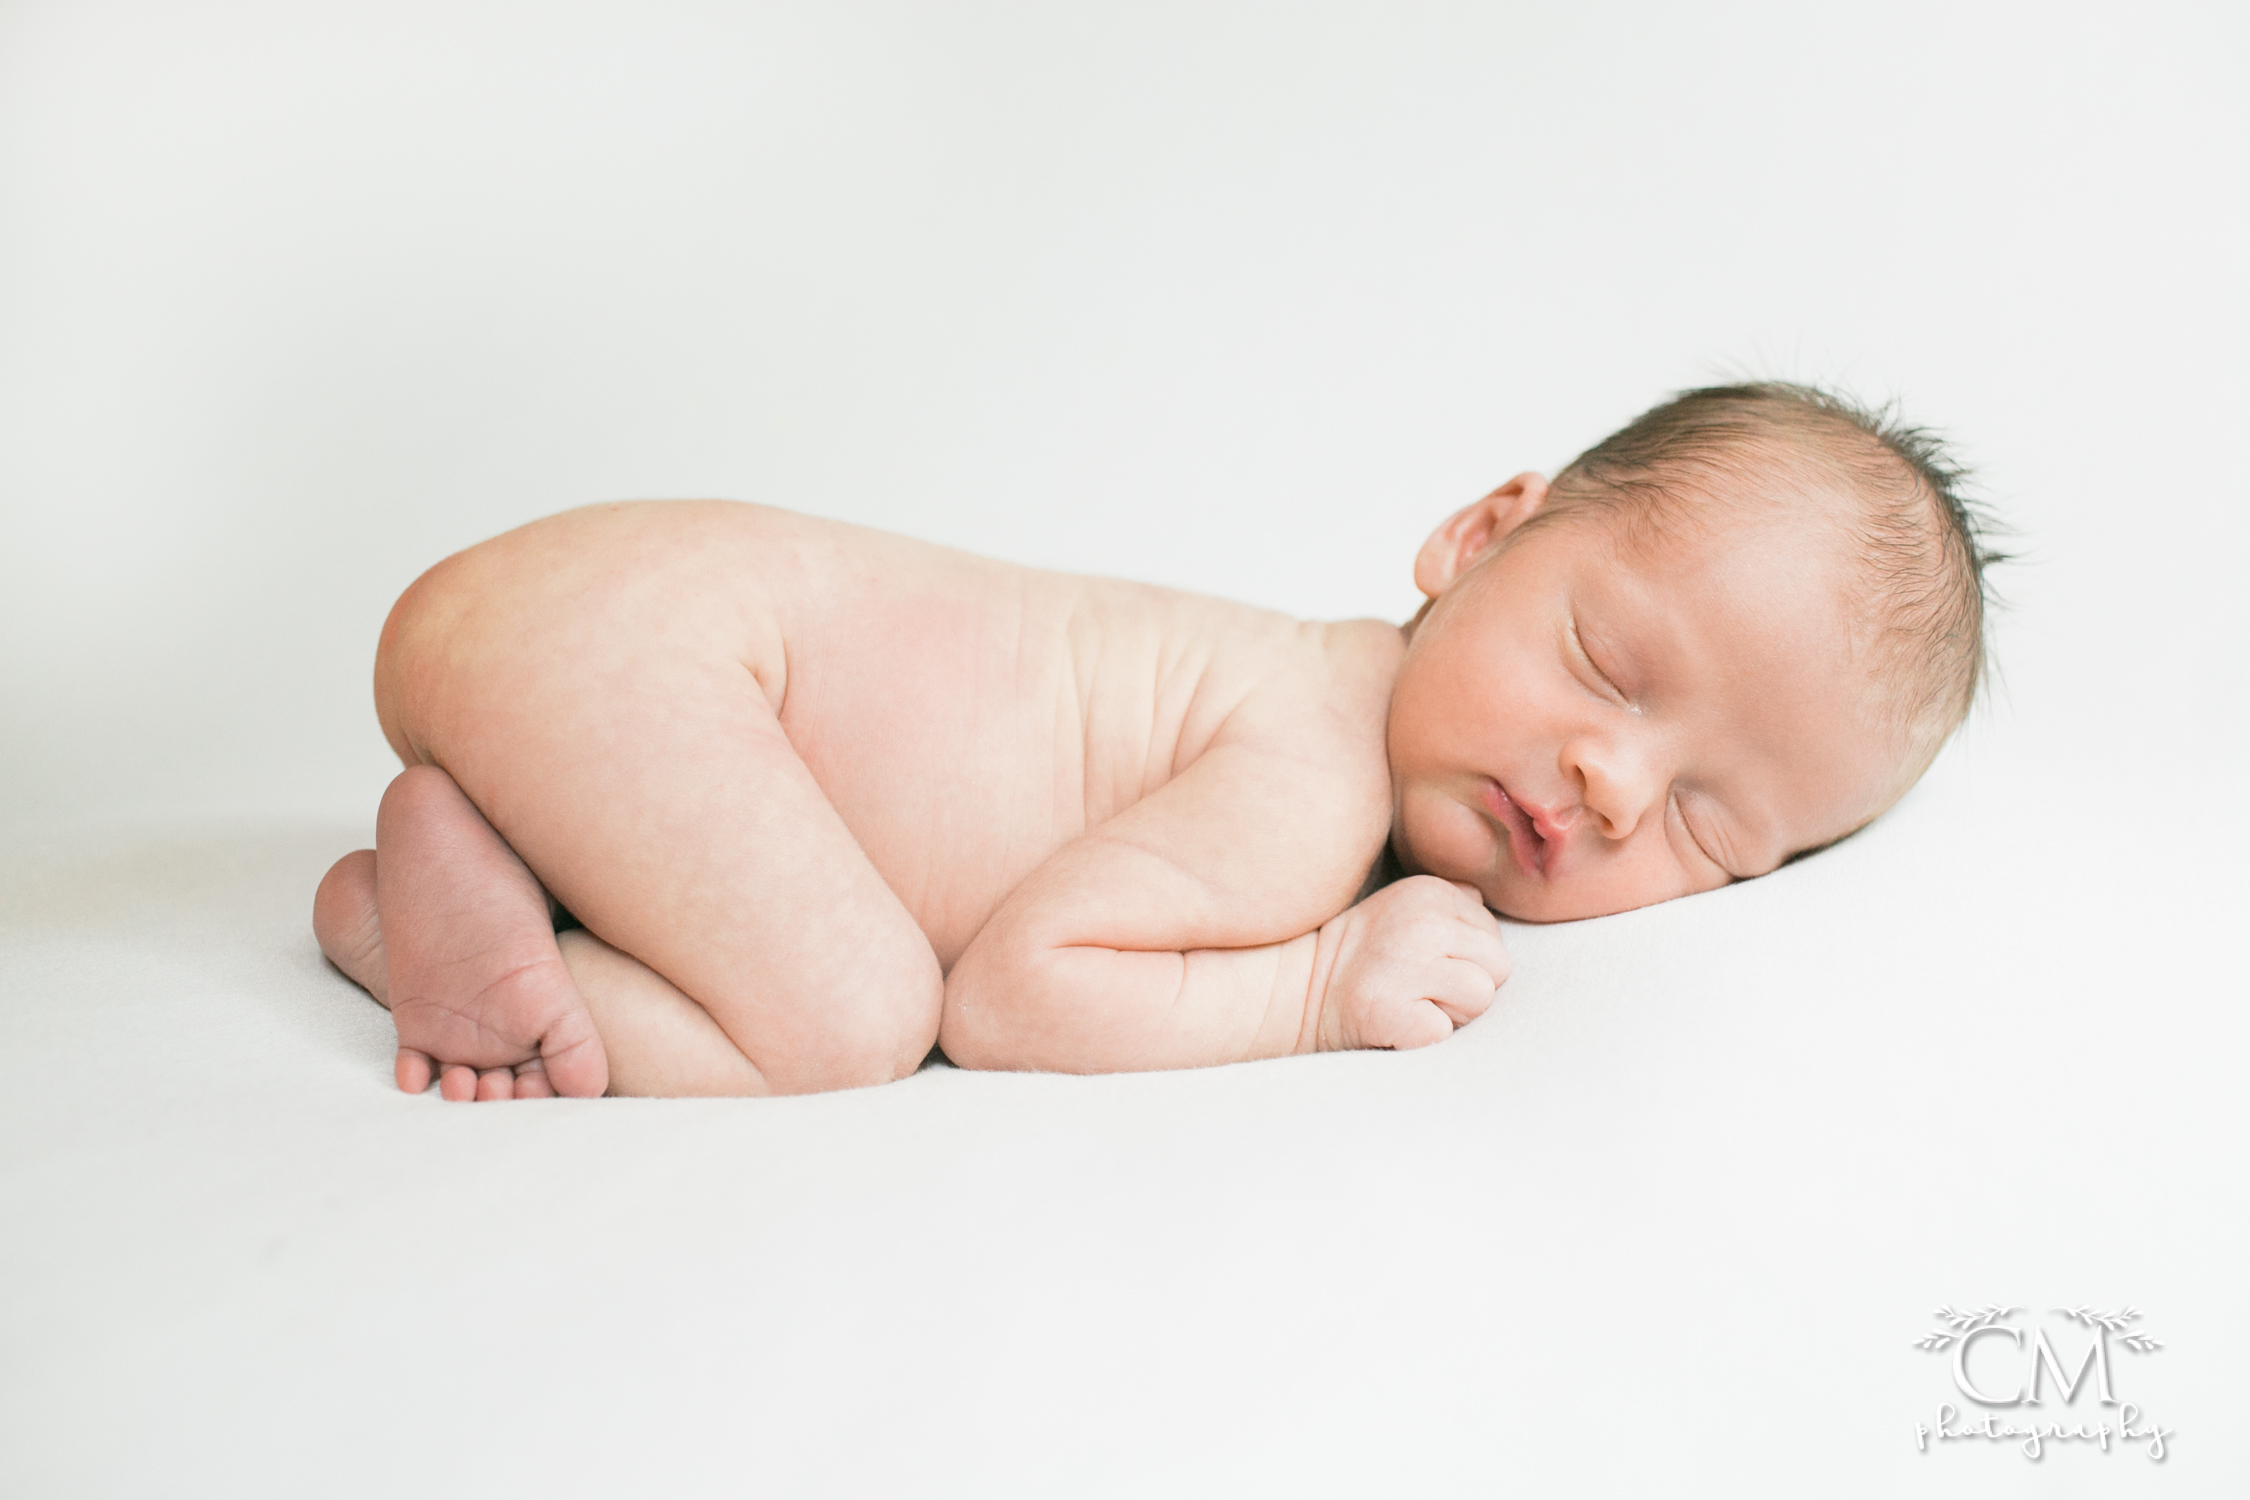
<point x="296" y="299"/>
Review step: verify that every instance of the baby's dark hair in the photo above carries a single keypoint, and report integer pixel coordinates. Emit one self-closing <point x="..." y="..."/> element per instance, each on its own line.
<point x="1922" y="540"/>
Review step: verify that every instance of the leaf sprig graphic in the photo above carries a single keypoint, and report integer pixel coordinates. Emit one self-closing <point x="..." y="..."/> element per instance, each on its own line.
<point x="2114" y="1322"/>
<point x="1960" y="1324"/>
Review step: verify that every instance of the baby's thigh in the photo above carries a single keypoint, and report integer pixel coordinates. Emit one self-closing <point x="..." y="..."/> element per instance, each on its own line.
<point x="702" y="846"/>
<point x="622" y="748"/>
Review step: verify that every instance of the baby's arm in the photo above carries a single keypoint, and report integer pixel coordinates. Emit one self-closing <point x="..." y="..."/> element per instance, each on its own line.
<point x="1206" y="924"/>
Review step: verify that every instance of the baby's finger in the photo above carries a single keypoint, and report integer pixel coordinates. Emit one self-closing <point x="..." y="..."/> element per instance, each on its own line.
<point x="1483" y="947"/>
<point x="1420" y="1025"/>
<point x="412" y="1070"/>
<point x="1461" y="989"/>
<point x="1475" y="899"/>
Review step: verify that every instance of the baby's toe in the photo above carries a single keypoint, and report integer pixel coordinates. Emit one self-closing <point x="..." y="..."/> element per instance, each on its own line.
<point x="531" y="1082"/>
<point x="458" y="1082"/>
<point x="496" y="1083"/>
<point x="413" y="1071"/>
<point x="572" y="1060"/>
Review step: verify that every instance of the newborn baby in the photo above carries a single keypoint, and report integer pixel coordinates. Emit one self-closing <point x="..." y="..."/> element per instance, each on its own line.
<point x="812" y="798"/>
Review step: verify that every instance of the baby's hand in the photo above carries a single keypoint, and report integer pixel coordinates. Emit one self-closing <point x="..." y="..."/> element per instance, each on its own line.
<point x="1413" y="961"/>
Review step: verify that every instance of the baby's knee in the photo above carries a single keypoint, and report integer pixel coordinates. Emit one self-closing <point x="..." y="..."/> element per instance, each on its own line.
<point x="883" y="1033"/>
<point x="900" y="1030"/>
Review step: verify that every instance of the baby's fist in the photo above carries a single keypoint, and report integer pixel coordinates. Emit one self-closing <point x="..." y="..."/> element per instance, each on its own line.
<point x="1413" y="961"/>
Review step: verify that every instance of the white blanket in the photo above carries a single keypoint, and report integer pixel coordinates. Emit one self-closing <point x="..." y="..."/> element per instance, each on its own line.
<point x="1681" y="1205"/>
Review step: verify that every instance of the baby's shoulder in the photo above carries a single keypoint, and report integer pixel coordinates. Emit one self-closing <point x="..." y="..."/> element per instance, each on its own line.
<point x="1242" y="663"/>
<point x="1329" y="696"/>
<point x="1311" y="762"/>
<point x="1314" y="694"/>
<point x="1312" y="674"/>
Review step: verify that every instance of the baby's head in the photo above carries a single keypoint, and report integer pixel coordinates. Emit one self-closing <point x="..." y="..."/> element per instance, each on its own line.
<point x="1731" y="633"/>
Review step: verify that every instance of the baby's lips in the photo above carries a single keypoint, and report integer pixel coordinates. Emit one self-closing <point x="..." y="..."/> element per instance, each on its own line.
<point x="1525" y="845"/>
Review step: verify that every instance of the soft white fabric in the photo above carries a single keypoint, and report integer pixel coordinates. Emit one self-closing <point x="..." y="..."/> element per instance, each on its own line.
<point x="1667" y="1221"/>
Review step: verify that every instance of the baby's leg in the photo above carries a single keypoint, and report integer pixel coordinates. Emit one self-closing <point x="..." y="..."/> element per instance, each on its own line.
<point x="658" y="1041"/>
<point x="584" y="683"/>
<point x="708" y="853"/>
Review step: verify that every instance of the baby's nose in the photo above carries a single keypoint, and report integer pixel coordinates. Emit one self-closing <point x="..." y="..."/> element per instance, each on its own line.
<point x="1612" y="786"/>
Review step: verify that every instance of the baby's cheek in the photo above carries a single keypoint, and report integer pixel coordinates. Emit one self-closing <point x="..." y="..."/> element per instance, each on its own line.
<point x="1446" y="839"/>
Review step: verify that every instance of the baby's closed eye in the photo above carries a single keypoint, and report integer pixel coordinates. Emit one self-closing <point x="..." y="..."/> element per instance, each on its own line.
<point x="1605" y="678"/>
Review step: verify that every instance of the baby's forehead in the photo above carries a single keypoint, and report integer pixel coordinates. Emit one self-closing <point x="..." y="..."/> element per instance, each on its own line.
<point x="1764" y="538"/>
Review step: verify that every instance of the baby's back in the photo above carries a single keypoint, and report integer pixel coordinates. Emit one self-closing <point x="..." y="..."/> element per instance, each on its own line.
<point x="968" y="717"/>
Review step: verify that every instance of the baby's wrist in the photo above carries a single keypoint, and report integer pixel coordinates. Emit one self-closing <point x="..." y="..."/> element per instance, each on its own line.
<point x="1323" y="1027"/>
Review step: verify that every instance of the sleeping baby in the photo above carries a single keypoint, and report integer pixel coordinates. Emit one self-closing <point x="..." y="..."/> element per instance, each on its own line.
<point x="806" y="801"/>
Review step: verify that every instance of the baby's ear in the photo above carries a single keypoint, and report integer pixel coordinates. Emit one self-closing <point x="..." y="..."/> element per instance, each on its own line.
<point x="1475" y="530"/>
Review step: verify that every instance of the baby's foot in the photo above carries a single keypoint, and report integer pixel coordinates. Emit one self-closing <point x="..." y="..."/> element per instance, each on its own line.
<point x="470" y="970"/>
<point x="351" y="934"/>
<point x="344" y="920"/>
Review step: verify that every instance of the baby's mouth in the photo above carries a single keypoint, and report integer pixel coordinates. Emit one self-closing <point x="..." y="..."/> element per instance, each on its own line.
<point x="1524" y="841"/>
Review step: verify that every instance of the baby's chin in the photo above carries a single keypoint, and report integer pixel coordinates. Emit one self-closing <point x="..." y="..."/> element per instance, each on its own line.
<point x="1538" y="903"/>
<point x="1561" y="904"/>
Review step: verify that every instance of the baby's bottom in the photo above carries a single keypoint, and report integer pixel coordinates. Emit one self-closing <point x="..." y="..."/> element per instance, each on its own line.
<point x="649" y="785"/>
